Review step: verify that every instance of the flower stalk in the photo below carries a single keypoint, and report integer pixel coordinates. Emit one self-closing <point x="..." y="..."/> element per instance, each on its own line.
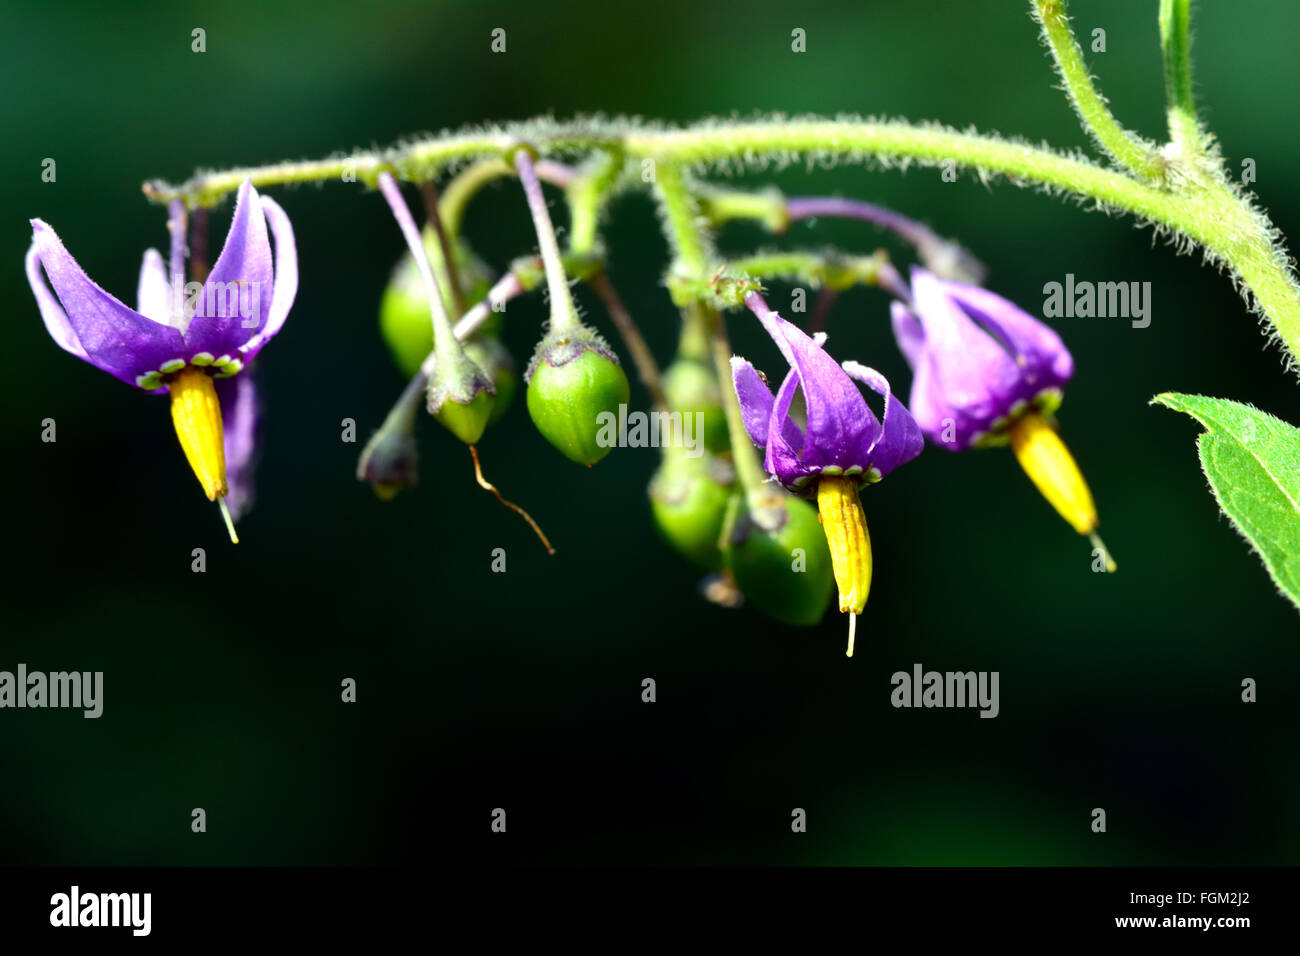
<point x="564" y="314"/>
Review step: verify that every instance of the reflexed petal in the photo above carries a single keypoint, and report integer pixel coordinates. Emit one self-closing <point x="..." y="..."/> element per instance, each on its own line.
<point x="286" y="277"/>
<point x="785" y="442"/>
<point x="907" y="332"/>
<point x="239" y="413"/>
<point x="977" y="376"/>
<point x="754" y="397"/>
<point x="236" y="299"/>
<point x="52" y="314"/>
<point x="1034" y="344"/>
<point x="837" y="412"/>
<point x="153" y="293"/>
<point x="900" y="438"/>
<point x="117" y="339"/>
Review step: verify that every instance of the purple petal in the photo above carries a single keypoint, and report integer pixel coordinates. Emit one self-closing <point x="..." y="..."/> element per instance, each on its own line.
<point x="907" y="332"/>
<point x="52" y="314"/>
<point x="235" y="302"/>
<point x="755" y="399"/>
<point x="1036" y="347"/>
<point x="837" y="413"/>
<point x="116" y="339"/>
<point x="286" y="277"/>
<point x="940" y="422"/>
<point x="975" y="373"/>
<point x="900" y="439"/>
<point x="153" y="293"/>
<point x="239" y="413"/>
<point x="785" y="442"/>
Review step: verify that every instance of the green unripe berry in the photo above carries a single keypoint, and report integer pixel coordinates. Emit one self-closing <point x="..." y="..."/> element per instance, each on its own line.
<point x="692" y="386"/>
<point x="689" y="498"/>
<point x="468" y="420"/>
<point x="404" y="322"/>
<point x="404" y="319"/>
<point x="574" y="377"/>
<point x="767" y="545"/>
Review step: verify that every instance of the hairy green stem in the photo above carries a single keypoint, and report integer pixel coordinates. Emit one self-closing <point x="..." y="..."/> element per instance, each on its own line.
<point x="749" y="470"/>
<point x="1261" y="265"/>
<point x="817" y="269"/>
<point x="588" y="192"/>
<point x="1121" y="145"/>
<point x="686" y="229"/>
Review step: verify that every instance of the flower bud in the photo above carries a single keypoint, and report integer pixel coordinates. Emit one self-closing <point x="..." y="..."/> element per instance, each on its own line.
<point x="689" y="498"/>
<point x="389" y="462"/>
<point x="494" y="359"/>
<point x="573" y="378"/>
<point x="692" y="386"/>
<point x="777" y="553"/>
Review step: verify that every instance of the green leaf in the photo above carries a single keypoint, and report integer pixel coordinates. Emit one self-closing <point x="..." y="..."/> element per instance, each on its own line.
<point x="1253" y="463"/>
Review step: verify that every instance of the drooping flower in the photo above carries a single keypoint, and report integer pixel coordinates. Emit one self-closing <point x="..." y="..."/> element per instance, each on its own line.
<point x="184" y="340"/>
<point x="987" y="373"/>
<point x="842" y="447"/>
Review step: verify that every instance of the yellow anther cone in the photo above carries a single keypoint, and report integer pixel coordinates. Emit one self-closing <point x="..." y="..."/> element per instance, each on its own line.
<point x="196" y="413"/>
<point x="845" y="527"/>
<point x="1052" y="469"/>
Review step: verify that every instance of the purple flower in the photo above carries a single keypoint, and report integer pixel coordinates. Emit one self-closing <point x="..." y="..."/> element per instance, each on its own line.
<point x="987" y="373"/>
<point x="842" y="437"/>
<point x="219" y="325"/>
<point x="182" y="338"/>
<point x="979" y="362"/>
<point x="842" y="446"/>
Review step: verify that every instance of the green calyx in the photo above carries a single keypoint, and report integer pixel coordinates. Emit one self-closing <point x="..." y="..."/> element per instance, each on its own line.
<point x="574" y="382"/>
<point x="775" y="549"/>
<point x="460" y="395"/>
<point x="689" y="497"/>
<point x="494" y="359"/>
<point x="691" y="387"/>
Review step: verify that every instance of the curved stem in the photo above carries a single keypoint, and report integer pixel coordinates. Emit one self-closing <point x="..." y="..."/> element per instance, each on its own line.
<point x="1257" y="260"/>
<point x="443" y="337"/>
<point x="588" y="192"/>
<point x="1124" y="147"/>
<point x="467" y="183"/>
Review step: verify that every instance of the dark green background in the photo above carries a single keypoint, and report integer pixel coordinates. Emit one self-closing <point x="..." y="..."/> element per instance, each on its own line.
<point x="522" y="690"/>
